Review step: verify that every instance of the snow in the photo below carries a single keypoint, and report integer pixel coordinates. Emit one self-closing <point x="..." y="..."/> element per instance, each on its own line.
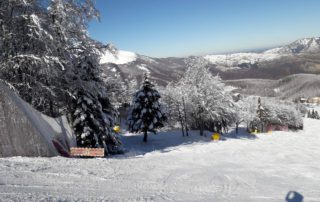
<point x="273" y="50"/>
<point x="43" y="127"/>
<point x="144" y="68"/>
<point x="31" y="56"/>
<point x="314" y="46"/>
<point x="61" y="127"/>
<point x="306" y="45"/>
<point x="276" y="90"/>
<point x="119" y="57"/>
<point x="147" y="59"/>
<point x="35" y="20"/>
<point x="235" y="59"/>
<point x="172" y="168"/>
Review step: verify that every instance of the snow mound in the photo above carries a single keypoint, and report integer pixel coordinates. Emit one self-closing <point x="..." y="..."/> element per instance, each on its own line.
<point x="26" y="132"/>
<point x="118" y="57"/>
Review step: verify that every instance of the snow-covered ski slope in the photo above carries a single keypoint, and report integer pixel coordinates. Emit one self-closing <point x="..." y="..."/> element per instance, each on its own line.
<point x="172" y="168"/>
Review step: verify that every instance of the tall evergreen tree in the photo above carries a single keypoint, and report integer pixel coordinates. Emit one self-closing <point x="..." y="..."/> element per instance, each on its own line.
<point x="40" y="41"/>
<point x="146" y="114"/>
<point x="90" y="111"/>
<point x="48" y="57"/>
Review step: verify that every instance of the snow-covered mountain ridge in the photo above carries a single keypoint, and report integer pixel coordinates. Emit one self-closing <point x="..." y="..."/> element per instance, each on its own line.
<point x="115" y="56"/>
<point x="297" y="57"/>
<point x="306" y="45"/>
<point x="235" y="59"/>
<point x="302" y="46"/>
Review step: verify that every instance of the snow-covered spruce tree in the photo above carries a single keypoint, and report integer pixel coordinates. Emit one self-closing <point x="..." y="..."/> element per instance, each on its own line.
<point x="146" y="113"/>
<point x="90" y="111"/>
<point x="313" y="114"/>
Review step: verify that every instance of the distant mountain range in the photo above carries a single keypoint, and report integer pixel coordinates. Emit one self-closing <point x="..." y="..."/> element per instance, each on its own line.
<point x="291" y="87"/>
<point x="301" y="56"/>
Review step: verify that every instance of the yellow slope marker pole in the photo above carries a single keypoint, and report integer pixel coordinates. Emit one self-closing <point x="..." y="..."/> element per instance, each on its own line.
<point x="116" y="129"/>
<point x="215" y="137"/>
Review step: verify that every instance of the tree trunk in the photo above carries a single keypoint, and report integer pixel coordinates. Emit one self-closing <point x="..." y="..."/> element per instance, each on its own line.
<point x="237" y="128"/>
<point x="201" y="128"/>
<point x="51" y="108"/>
<point x="145" y="137"/>
<point x="182" y="129"/>
<point x="186" y="129"/>
<point x="181" y="122"/>
<point x="185" y="117"/>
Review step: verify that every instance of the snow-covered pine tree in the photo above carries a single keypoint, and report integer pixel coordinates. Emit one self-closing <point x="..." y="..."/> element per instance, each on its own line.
<point x="48" y="57"/>
<point x="146" y="113"/>
<point x="91" y="113"/>
<point x="40" y="41"/>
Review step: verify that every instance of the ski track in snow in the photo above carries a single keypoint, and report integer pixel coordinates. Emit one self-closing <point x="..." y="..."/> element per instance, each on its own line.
<point x="172" y="168"/>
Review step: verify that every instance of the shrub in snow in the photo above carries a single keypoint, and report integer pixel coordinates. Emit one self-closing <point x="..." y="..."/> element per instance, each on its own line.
<point x="146" y="113"/>
<point x="285" y="113"/>
<point x="313" y="114"/>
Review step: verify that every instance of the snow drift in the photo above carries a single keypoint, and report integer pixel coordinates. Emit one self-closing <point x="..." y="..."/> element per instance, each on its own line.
<point x="26" y="132"/>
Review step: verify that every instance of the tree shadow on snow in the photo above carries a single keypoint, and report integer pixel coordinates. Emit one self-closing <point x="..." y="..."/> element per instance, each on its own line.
<point x="169" y="141"/>
<point x="242" y="134"/>
<point x="162" y="142"/>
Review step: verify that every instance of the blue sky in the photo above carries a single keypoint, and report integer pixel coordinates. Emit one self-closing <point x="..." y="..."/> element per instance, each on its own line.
<point x="163" y="28"/>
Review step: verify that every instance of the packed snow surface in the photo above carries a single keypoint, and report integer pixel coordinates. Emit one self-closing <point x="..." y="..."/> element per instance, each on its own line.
<point x="174" y="168"/>
<point x="118" y="57"/>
